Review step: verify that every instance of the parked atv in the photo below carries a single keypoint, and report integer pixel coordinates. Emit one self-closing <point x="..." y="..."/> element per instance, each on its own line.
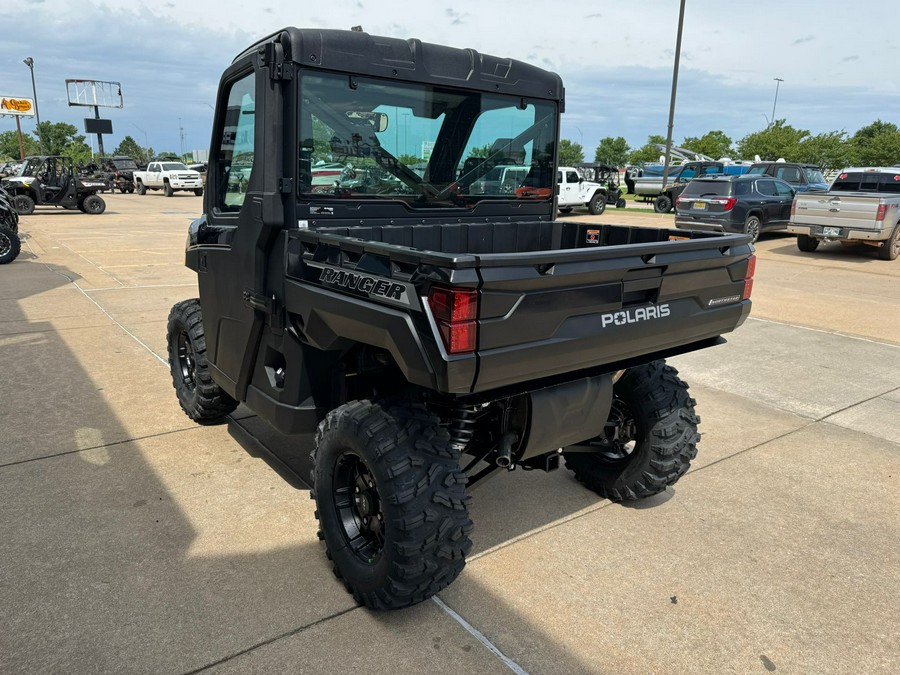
<point x="9" y="230"/>
<point x="52" y="181"/>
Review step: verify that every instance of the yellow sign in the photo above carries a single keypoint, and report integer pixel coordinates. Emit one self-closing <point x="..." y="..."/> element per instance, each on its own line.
<point x="16" y="106"/>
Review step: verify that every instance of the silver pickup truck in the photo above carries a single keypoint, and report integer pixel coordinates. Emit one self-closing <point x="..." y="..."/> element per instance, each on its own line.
<point x="862" y="205"/>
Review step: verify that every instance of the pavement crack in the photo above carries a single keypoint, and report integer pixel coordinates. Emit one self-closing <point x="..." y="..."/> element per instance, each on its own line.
<point x="290" y="633"/>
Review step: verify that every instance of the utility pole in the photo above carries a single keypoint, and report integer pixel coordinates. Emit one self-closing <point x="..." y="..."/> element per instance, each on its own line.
<point x="674" y="89"/>
<point x="37" y="113"/>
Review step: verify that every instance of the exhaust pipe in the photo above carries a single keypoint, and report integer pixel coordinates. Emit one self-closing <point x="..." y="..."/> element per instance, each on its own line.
<point x="504" y="450"/>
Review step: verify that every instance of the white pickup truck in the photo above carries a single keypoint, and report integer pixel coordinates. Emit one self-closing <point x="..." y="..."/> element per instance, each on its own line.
<point x="862" y="205"/>
<point x="574" y="191"/>
<point x="170" y="177"/>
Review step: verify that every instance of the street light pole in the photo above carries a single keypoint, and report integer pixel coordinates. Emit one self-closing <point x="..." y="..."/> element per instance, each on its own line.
<point x="778" y="82"/>
<point x="674" y="89"/>
<point x="37" y="113"/>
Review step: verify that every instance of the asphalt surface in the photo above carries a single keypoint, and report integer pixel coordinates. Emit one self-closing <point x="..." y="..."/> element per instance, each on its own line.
<point x="133" y="541"/>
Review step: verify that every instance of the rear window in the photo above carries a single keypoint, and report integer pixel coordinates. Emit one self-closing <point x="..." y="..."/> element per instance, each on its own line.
<point x="864" y="181"/>
<point x="704" y="188"/>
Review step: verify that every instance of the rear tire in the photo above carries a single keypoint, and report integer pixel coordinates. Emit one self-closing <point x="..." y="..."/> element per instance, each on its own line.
<point x="141" y="188"/>
<point x="9" y="245"/>
<point x="620" y="203"/>
<point x="651" y="436"/>
<point x="391" y="501"/>
<point x="565" y="209"/>
<point x="753" y="227"/>
<point x="94" y="204"/>
<point x="167" y="190"/>
<point x="597" y="205"/>
<point x="662" y="204"/>
<point x="200" y="397"/>
<point x="806" y="243"/>
<point x="23" y="204"/>
<point x="890" y="250"/>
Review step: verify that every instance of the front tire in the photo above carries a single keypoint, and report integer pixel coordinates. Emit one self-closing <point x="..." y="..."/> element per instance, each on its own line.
<point x="806" y="243"/>
<point x="93" y="204"/>
<point x="200" y="397"/>
<point x="199" y="192"/>
<point x="597" y="205"/>
<point x="23" y="204"/>
<point x="141" y="188"/>
<point x="620" y="203"/>
<point x="890" y="249"/>
<point x="167" y="190"/>
<point x="650" y="440"/>
<point x="662" y="204"/>
<point x="391" y="501"/>
<point x="9" y="245"/>
<point x="565" y="209"/>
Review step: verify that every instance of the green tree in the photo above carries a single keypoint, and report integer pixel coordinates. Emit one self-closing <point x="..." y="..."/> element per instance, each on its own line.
<point x="9" y="145"/>
<point x="713" y="143"/>
<point x="829" y="150"/>
<point x="877" y="144"/>
<point x="647" y="153"/>
<point x="410" y="160"/>
<point x="481" y="151"/>
<point x="570" y="153"/>
<point x="59" y="138"/>
<point x="130" y="148"/>
<point x="612" y="151"/>
<point x="776" y="141"/>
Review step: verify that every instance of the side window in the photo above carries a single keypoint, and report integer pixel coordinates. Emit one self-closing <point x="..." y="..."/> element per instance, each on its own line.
<point x="688" y="174"/>
<point x="571" y="177"/>
<point x="741" y="189"/>
<point x="783" y="189"/>
<point x="766" y="187"/>
<point x="559" y="177"/>
<point x="235" y="161"/>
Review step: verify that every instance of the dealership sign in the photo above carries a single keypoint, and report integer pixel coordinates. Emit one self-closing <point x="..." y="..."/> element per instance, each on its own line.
<point x="16" y="106"/>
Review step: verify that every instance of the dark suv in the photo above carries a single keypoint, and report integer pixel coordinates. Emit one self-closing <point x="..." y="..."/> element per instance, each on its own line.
<point x="748" y="203"/>
<point x="802" y="177"/>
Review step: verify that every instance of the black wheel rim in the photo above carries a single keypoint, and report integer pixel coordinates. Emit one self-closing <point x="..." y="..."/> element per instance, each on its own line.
<point x="186" y="363"/>
<point x="5" y="244"/>
<point x="619" y="437"/>
<point x="358" y="507"/>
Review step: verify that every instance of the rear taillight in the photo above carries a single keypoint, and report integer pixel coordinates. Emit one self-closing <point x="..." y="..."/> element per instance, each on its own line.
<point x="748" y="277"/>
<point x="882" y="211"/>
<point x="729" y="203"/>
<point x="794" y="207"/>
<point x="681" y="200"/>
<point x="455" y="311"/>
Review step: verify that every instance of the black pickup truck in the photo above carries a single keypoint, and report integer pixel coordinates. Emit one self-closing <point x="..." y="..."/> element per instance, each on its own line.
<point x="354" y="283"/>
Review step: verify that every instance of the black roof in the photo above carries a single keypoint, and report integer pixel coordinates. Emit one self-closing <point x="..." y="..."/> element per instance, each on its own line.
<point x="412" y="60"/>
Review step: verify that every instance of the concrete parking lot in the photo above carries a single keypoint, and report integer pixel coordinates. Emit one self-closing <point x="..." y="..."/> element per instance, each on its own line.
<point x="133" y="541"/>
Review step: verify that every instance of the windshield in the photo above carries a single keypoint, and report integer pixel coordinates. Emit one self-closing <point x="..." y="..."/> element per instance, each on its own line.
<point x="173" y="166"/>
<point x="423" y="145"/>
<point x="757" y="169"/>
<point x="813" y="175"/>
<point x="30" y="167"/>
<point x="124" y="163"/>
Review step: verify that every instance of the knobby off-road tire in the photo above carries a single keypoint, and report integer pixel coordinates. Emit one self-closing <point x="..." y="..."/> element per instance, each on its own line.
<point x="94" y="204"/>
<point x="9" y="245"/>
<point x="391" y="502"/>
<point x="23" y="204"/>
<point x="620" y="203"/>
<point x="141" y="188"/>
<point x="806" y="243"/>
<point x="890" y="250"/>
<point x="657" y="440"/>
<point x="662" y="204"/>
<point x="200" y="397"/>
<point x="597" y="205"/>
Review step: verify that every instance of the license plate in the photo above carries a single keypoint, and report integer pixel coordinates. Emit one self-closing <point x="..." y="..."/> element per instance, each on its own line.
<point x="831" y="231"/>
<point x="700" y="205"/>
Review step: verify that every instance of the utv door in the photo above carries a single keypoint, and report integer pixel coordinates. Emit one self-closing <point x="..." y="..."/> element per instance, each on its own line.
<point x="244" y="212"/>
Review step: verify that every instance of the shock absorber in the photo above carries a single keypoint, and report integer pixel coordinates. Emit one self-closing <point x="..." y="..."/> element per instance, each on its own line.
<point x="461" y="424"/>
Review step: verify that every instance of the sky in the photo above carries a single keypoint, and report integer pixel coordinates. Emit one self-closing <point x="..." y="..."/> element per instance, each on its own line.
<point x="837" y="60"/>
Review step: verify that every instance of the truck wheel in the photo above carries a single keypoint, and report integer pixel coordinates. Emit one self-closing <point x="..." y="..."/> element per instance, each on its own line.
<point x="620" y="203"/>
<point x="662" y="204"/>
<point x="94" y="204"/>
<point x="199" y="192"/>
<point x="806" y="243"/>
<point x="9" y="245"/>
<point x="650" y="438"/>
<point x="23" y="204"/>
<point x="597" y="205"/>
<point x="391" y="502"/>
<point x="167" y="190"/>
<point x="752" y="227"/>
<point x="141" y="188"/>
<point x="200" y="397"/>
<point x="565" y="209"/>
<point x="890" y="249"/>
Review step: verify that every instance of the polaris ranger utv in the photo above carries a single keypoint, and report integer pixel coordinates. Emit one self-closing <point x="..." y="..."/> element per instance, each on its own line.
<point x="431" y="334"/>
<point x="53" y="181"/>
